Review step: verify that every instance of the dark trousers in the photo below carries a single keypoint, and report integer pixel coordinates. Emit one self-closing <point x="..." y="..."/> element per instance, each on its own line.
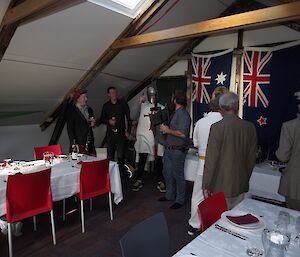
<point x="174" y="175"/>
<point x="116" y="143"/>
<point x="293" y="204"/>
<point x="141" y="166"/>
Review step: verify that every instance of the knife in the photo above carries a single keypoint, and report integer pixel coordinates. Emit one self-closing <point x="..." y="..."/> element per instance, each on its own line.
<point x="226" y="230"/>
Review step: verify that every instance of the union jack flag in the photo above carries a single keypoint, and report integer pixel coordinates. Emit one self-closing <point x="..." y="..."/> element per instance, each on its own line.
<point x="255" y="78"/>
<point x="271" y="78"/>
<point x="200" y="79"/>
<point x="208" y="72"/>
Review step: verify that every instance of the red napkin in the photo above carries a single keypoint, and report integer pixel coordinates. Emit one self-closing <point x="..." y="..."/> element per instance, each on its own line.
<point x="244" y="219"/>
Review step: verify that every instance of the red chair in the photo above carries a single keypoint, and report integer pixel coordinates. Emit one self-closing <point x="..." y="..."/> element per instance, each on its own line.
<point x="39" y="151"/>
<point x="210" y="209"/>
<point x="94" y="181"/>
<point x="28" y="195"/>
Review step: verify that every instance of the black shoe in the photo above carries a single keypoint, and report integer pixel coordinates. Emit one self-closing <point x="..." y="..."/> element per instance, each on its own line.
<point x="163" y="199"/>
<point x="176" y="206"/>
<point x="138" y="184"/>
<point x="193" y="230"/>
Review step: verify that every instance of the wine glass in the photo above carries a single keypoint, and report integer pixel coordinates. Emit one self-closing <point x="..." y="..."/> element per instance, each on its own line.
<point x="7" y="162"/>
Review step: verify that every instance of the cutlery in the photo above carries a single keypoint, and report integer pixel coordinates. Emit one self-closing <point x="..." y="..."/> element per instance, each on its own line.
<point x="226" y="230"/>
<point x="194" y="254"/>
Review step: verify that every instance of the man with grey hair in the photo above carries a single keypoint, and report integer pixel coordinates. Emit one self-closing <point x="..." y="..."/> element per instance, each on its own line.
<point x="230" y="153"/>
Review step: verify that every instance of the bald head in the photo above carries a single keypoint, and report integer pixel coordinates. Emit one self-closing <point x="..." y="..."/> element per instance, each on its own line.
<point x="229" y="103"/>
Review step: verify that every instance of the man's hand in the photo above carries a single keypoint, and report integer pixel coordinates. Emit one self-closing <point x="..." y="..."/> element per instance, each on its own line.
<point x="92" y="122"/>
<point x="164" y="129"/>
<point x="206" y="193"/>
<point x="126" y="135"/>
<point x="112" y="122"/>
<point x="142" y="99"/>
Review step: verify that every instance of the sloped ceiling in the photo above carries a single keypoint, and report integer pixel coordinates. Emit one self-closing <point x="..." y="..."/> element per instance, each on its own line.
<point x="48" y="56"/>
<point x="3" y="7"/>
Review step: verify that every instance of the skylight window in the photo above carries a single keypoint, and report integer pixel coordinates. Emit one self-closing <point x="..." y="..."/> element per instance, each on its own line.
<point x="130" y="8"/>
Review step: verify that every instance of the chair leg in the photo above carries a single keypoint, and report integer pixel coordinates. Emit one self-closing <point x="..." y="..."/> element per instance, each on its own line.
<point x="91" y="204"/>
<point x="64" y="210"/>
<point x="34" y="223"/>
<point x="82" y="217"/>
<point x="110" y="206"/>
<point x="10" y="240"/>
<point x="53" y="227"/>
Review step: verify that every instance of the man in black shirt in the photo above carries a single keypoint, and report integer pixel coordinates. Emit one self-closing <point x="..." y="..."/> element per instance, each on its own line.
<point x="114" y="113"/>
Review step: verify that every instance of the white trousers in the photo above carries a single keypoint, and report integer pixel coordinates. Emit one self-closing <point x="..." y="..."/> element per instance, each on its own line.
<point x="197" y="197"/>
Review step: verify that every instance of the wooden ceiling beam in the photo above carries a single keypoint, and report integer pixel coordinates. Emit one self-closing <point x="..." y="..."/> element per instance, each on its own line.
<point x="270" y="15"/>
<point x="24" y="10"/>
<point x="133" y="28"/>
<point x="237" y="6"/>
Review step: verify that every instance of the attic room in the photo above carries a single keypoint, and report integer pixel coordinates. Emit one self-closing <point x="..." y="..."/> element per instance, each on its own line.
<point x="180" y="116"/>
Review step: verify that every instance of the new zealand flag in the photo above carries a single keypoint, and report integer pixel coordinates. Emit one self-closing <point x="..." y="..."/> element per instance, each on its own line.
<point x="271" y="78"/>
<point x="208" y="72"/>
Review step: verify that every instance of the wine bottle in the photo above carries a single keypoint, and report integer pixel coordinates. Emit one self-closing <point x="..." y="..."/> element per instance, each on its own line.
<point x="74" y="151"/>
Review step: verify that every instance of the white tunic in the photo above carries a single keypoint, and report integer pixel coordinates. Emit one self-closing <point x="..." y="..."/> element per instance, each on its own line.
<point x="201" y="133"/>
<point x="145" y="141"/>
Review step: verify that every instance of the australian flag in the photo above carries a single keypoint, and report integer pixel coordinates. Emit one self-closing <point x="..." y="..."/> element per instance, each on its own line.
<point x="208" y="72"/>
<point x="271" y="78"/>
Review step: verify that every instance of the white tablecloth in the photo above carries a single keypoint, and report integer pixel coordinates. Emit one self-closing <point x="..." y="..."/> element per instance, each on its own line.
<point x="65" y="181"/>
<point x="215" y="243"/>
<point x="264" y="181"/>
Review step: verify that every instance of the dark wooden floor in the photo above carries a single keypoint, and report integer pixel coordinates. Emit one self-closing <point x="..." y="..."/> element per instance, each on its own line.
<point x="102" y="235"/>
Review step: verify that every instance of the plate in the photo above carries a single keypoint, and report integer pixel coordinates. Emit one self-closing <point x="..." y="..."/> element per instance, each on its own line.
<point x="254" y="226"/>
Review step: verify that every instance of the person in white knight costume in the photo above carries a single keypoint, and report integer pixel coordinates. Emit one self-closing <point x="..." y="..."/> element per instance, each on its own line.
<point x="146" y="146"/>
<point x="200" y="138"/>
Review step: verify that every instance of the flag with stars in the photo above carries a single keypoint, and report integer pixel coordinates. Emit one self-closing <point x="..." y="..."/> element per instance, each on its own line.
<point x="271" y="77"/>
<point x="208" y="72"/>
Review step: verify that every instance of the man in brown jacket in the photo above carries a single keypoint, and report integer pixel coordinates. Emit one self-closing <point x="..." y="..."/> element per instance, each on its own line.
<point x="289" y="151"/>
<point x="230" y="154"/>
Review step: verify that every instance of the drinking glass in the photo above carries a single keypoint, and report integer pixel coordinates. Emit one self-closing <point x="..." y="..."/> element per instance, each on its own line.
<point x="48" y="158"/>
<point x="297" y="230"/>
<point x="285" y="217"/>
<point x="7" y="162"/>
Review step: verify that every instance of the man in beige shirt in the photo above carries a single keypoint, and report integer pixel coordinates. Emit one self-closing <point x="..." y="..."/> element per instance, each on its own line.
<point x="230" y="154"/>
<point x="289" y="151"/>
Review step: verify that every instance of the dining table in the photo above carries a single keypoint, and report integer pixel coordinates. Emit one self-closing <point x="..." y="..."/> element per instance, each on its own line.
<point x="65" y="174"/>
<point x="233" y="241"/>
<point x="264" y="180"/>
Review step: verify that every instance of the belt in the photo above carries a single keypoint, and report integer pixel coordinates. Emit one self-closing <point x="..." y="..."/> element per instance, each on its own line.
<point x="202" y="157"/>
<point x="174" y="147"/>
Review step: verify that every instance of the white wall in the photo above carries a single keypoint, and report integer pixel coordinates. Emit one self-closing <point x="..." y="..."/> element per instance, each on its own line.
<point x="17" y="142"/>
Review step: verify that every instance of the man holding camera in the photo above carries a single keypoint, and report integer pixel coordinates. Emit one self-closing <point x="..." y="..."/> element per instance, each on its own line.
<point x="177" y="137"/>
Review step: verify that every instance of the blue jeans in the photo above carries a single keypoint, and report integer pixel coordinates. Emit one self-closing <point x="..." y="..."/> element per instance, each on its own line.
<point x="173" y="172"/>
